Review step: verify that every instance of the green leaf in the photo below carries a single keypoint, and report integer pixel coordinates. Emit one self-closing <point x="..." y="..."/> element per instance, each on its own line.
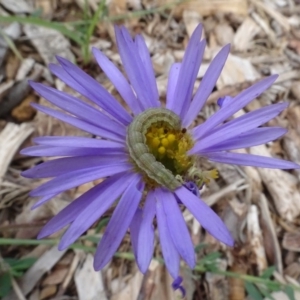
<point x="102" y="224"/>
<point x="5" y="284"/>
<point x="11" y="45"/>
<point x="290" y="292"/>
<point x="92" y="238"/>
<point x="15" y="273"/>
<point x="90" y="29"/>
<point x="209" y="262"/>
<point x="20" y="264"/>
<point x="126" y="255"/>
<point x="37" y="13"/>
<point x="10" y="261"/>
<point x="268" y="272"/>
<point x="27" y="242"/>
<point x="211" y="257"/>
<point x="265" y="291"/>
<point x="253" y="291"/>
<point x="61" y="27"/>
<point x="199" y="247"/>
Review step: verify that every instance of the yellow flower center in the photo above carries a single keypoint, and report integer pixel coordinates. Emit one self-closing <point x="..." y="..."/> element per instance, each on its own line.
<point x="158" y="148"/>
<point x="170" y="147"/>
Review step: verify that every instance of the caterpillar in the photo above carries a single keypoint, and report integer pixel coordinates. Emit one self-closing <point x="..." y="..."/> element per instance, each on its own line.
<point x="139" y="151"/>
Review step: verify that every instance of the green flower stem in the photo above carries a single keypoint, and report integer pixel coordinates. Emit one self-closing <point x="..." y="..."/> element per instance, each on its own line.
<point x="129" y="256"/>
<point x="11" y="45"/>
<point x="91" y="28"/>
<point x="69" y="30"/>
<point x="248" y="278"/>
<point x="47" y="24"/>
<point x="52" y="242"/>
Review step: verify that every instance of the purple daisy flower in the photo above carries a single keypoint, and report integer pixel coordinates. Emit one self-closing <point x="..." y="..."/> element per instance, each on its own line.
<point x="149" y="156"/>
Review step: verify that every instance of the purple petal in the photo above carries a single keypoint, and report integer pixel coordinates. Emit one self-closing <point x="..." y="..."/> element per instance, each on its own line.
<point x="83" y="125"/>
<point x="239" y="125"/>
<point x="77" y="141"/>
<point x="59" y="72"/>
<point x="177" y="227"/>
<point x="251" y="138"/>
<point x="206" y="86"/>
<point x="119" y="81"/>
<point x="205" y="216"/>
<point x="145" y="245"/>
<point x="188" y="72"/>
<point x="90" y="88"/>
<point x="60" y="166"/>
<point x="134" y="68"/>
<point x="119" y="223"/>
<point x="43" y="200"/>
<point x="224" y="101"/>
<point x="76" y="178"/>
<point x="148" y="68"/>
<point x="193" y="188"/>
<point x="170" y="253"/>
<point x="113" y="185"/>
<point x="44" y="150"/>
<point x="79" y="109"/>
<point x="176" y="285"/>
<point x="172" y="83"/>
<point x="250" y="160"/>
<point x="238" y="103"/>
<point x="134" y="231"/>
<point x="84" y="220"/>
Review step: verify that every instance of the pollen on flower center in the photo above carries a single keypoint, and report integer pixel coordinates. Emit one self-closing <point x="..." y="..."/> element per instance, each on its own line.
<point x="158" y="147"/>
<point x="170" y="146"/>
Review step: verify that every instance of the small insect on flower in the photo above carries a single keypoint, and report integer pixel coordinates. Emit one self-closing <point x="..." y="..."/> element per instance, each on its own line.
<point x="148" y="156"/>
